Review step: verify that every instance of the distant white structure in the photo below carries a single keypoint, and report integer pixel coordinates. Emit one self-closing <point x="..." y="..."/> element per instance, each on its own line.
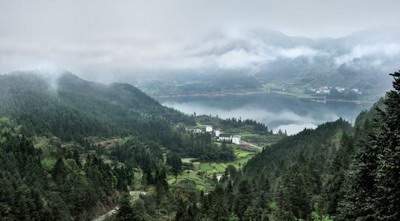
<point x="356" y="90"/>
<point x="323" y="90"/>
<point x="340" y="89"/>
<point x="209" y="129"/>
<point x="194" y="130"/>
<point x="197" y="130"/>
<point x="217" y="133"/>
<point x="225" y="138"/>
<point x="236" y="139"/>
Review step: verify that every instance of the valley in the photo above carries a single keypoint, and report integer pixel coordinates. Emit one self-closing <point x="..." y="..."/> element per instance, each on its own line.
<point x="94" y="142"/>
<point x="207" y="110"/>
<point x="110" y="151"/>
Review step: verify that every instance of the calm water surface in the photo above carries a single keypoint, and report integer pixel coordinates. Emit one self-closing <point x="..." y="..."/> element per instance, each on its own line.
<point x="277" y="111"/>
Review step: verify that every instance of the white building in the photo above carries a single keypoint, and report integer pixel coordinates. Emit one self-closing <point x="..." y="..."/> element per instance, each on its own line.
<point x="236" y="139"/>
<point x="194" y="130"/>
<point x="197" y="130"/>
<point x="209" y="129"/>
<point x="217" y="133"/>
<point x="225" y="138"/>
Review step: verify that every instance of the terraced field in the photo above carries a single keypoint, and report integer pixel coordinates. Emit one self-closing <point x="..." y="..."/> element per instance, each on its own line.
<point x="203" y="174"/>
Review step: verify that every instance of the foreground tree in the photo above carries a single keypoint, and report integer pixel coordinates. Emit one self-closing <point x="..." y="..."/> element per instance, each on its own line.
<point x="373" y="192"/>
<point x="388" y="171"/>
<point x="125" y="211"/>
<point x="175" y="162"/>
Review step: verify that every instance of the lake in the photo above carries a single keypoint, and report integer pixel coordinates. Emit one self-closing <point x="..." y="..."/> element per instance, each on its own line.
<point x="279" y="112"/>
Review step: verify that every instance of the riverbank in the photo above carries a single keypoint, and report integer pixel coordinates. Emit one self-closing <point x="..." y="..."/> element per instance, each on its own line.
<point x="302" y="96"/>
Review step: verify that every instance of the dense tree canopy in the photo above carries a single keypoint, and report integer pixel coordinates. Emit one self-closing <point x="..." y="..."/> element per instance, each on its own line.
<point x="82" y="145"/>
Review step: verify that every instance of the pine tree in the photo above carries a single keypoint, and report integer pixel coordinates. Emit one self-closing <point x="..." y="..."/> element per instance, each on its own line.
<point x="360" y="189"/>
<point x="59" y="171"/>
<point x="218" y="210"/>
<point x="373" y="191"/>
<point x="388" y="171"/>
<point x="243" y="200"/>
<point x="186" y="211"/>
<point x="125" y="212"/>
<point x="334" y="188"/>
<point x="295" y="196"/>
<point x="175" y="162"/>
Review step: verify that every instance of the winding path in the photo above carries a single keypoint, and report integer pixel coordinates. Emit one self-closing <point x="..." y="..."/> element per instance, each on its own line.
<point x="258" y="148"/>
<point x="106" y="215"/>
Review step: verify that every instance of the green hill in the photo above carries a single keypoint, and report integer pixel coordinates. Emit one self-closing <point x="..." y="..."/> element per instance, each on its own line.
<point x="72" y="108"/>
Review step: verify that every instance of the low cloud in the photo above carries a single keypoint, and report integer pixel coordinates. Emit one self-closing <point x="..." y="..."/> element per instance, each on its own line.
<point x="361" y="51"/>
<point x="301" y="51"/>
<point x="239" y="58"/>
<point x="248" y="52"/>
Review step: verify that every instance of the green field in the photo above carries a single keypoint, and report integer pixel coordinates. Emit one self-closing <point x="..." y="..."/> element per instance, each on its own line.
<point x="260" y="140"/>
<point x="211" y="168"/>
<point x="203" y="172"/>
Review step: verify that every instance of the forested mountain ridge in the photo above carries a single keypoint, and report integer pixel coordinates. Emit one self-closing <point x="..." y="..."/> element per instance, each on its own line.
<point x="314" y="146"/>
<point x="53" y="163"/>
<point x="301" y="177"/>
<point x="333" y="172"/>
<point x="289" y="180"/>
<point x="69" y="189"/>
<point x="72" y="108"/>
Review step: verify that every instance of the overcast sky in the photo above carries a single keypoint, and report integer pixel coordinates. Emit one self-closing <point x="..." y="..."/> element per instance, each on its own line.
<point x="80" y="34"/>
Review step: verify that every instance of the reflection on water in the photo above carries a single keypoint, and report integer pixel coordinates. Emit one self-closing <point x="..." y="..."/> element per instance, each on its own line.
<point x="277" y="111"/>
<point x="294" y="128"/>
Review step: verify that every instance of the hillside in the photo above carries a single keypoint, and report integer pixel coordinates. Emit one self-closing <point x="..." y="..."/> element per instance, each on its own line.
<point x="72" y="108"/>
<point x="333" y="172"/>
<point x="70" y="147"/>
<point x="299" y="177"/>
<point x="317" y="147"/>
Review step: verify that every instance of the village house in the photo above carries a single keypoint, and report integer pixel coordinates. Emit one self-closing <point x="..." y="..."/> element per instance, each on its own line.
<point x="225" y="138"/>
<point x="194" y="130"/>
<point x="209" y="129"/>
<point x="236" y="139"/>
<point x="217" y="133"/>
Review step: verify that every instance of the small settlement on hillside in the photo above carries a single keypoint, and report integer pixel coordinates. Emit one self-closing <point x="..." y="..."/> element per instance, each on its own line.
<point x="218" y="134"/>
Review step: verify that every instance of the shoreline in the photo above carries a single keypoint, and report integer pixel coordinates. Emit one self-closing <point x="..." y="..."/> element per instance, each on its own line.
<point x="163" y="98"/>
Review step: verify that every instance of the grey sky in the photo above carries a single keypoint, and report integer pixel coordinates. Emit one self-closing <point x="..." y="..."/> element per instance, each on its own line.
<point x="77" y="19"/>
<point x="82" y="34"/>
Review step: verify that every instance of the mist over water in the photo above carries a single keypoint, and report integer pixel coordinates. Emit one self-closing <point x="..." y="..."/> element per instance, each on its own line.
<point x="278" y="112"/>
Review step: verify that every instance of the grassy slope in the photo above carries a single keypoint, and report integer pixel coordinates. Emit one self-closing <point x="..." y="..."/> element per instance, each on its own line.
<point x="203" y="172"/>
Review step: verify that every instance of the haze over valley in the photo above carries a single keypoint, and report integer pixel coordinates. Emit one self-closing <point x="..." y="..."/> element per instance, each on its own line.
<point x="200" y="110"/>
<point x="279" y="112"/>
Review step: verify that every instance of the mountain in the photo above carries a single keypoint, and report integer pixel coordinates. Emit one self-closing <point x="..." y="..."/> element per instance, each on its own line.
<point x="313" y="145"/>
<point x="300" y="177"/>
<point x="334" y="172"/>
<point x="350" y="67"/>
<point x="313" y="175"/>
<point x="69" y="147"/>
<point x="72" y="108"/>
<point x="51" y="169"/>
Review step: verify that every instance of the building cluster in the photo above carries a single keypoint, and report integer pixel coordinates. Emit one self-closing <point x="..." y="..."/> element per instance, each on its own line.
<point x="325" y="90"/>
<point x="222" y="137"/>
<point x="229" y="138"/>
